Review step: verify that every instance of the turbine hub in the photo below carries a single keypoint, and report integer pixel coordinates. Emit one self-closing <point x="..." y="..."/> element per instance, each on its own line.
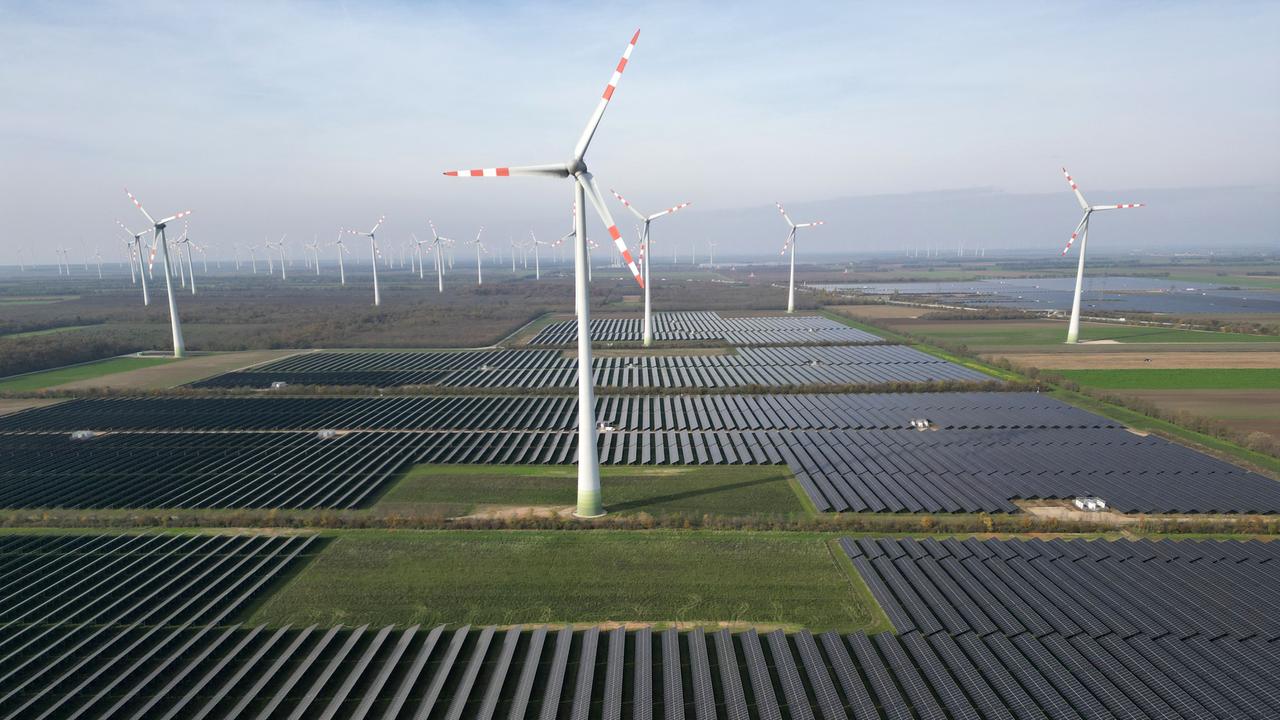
<point x="576" y="166"/>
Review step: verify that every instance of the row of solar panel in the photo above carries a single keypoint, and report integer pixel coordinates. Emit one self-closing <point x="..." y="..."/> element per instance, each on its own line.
<point x="710" y="326"/>
<point x="868" y="470"/>
<point x="769" y="367"/>
<point x="525" y="412"/>
<point x="1206" y="590"/>
<point x="67" y="598"/>
<point x="614" y="673"/>
<point x="776" y="367"/>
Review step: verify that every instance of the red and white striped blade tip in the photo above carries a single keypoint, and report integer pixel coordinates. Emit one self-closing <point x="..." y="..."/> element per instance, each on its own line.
<point x="481" y="172"/>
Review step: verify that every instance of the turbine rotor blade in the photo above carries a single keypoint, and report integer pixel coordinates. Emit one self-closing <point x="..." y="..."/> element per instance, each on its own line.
<point x="1076" y="233"/>
<point x="378" y="225"/>
<point x="580" y="149"/>
<point x="554" y="170"/>
<point x="669" y="210"/>
<point x="1124" y="206"/>
<point x="785" y="216"/>
<point x="593" y="194"/>
<point x="626" y="204"/>
<point x="139" y="206"/>
<point x="811" y="224"/>
<point x="171" y="218"/>
<point x="1075" y="189"/>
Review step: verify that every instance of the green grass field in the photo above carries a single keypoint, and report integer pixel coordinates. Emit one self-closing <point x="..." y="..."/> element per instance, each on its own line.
<point x="1270" y="282"/>
<point x="727" y="490"/>
<point x="50" y="378"/>
<point x="503" y="578"/>
<point x="1185" y="379"/>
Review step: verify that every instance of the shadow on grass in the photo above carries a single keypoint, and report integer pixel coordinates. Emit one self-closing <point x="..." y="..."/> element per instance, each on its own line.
<point x="672" y="497"/>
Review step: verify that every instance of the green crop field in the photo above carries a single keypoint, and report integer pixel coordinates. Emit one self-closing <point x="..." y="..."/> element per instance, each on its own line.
<point x="59" y="376"/>
<point x="740" y="490"/>
<point x="1185" y="379"/>
<point x="508" y="577"/>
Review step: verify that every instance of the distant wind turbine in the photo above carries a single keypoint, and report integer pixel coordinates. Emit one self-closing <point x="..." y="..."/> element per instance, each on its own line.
<point x="137" y="244"/>
<point x="791" y="245"/>
<point x="373" y="253"/>
<point x="647" y="252"/>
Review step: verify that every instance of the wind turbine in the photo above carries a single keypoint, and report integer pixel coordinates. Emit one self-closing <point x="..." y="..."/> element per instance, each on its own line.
<point x="647" y="252"/>
<point x="253" y="257"/>
<point x="279" y="246"/>
<point x="97" y="255"/>
<point x="1082" y="231"/>
<point x="162" y="241"/>
<point x="314" y="247"/>
<point x="342" y="250"/>
<point x="479" y="264"/>
<point x="373" y="252"/>
<point x="416" y="253"/>
<point x="184" y="244"/>
<point x="137" y="243"/>
<point x="584" y="187"/>
<point x="438" y="242"/>
<point x="791" y="244"/>
<point x="537" y="264"/>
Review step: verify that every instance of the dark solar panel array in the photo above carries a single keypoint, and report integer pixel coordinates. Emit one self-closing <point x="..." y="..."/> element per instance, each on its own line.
<point x="541" y="369"/>
<point x="491" y="672"/>
<point x="711" y="326"/>
<point x="1015" y="628"/>
<point x="85" y="618"/>
<point x="871" y="411"/>
<point x="859" y="470"/>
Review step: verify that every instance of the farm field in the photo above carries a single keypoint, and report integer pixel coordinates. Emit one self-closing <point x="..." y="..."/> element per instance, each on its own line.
<point x="512" y="491"/>
<point x="1100" y="358"/>
<point x="503" y="578"/>
<point x="993" y="335"/>
<point x="1184" y="378"/>
<point x="1245" y="410"/>
<point x="89" y="371"/>
<point x="153" y="372"/>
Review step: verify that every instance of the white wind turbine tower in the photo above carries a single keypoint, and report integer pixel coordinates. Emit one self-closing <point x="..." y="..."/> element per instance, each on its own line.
<point x="791" y="244"/>
<point x="253" y="257"/>
<point x="137" y="244"/>
<point x="647" y="253"/>
<point x="342" y="250"/>
<point x="584" y="187"/>
<point x="1082" y="231"/>
<point x="479" y="247"/>
<point x="97" y="255"/>
<point x="235" y="250"/>
<point x="162" y="242"/>
<point x="373" y="253"/>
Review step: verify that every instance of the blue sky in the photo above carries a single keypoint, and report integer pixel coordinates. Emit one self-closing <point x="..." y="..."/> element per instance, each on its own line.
<point x="303" y="117"/>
